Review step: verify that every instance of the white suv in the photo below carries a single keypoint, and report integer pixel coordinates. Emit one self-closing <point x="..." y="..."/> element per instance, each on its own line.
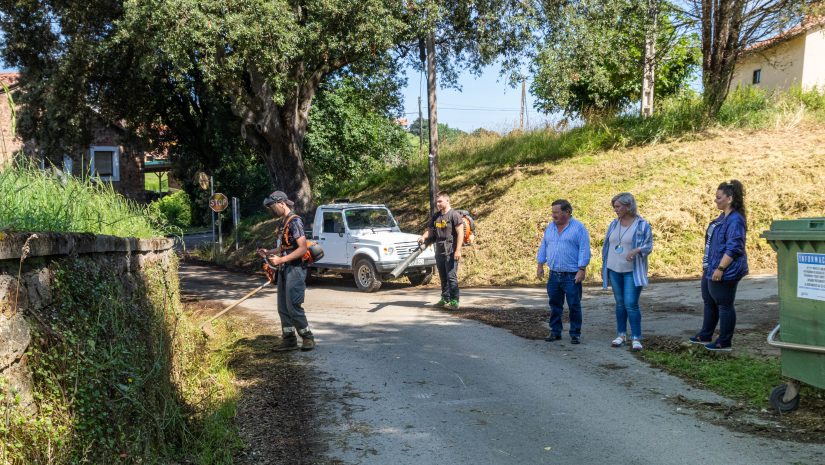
<point x="365" y="240"/>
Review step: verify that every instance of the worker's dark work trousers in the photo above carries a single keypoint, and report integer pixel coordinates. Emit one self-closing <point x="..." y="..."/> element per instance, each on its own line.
<point x="448" y="274"/>
<point x="291" y="289"/>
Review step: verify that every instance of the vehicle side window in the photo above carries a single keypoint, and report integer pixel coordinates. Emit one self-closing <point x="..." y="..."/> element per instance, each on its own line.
<point x="331" y="219"/>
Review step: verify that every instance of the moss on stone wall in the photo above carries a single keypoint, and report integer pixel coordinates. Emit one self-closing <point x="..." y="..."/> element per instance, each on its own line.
<point x="117" y="368"/>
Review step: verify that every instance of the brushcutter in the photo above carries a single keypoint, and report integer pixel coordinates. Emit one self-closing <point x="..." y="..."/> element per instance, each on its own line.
<point x="271" y="276"/>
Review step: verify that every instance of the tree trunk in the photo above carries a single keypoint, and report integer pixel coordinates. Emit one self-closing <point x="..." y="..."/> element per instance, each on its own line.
<point x="721" y="26"/>
<point x="285" y="163"/>
<point x="278" y="132"/>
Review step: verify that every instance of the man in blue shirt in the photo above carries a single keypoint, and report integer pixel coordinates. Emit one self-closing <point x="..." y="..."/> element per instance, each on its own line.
<point x="565" y="248"/>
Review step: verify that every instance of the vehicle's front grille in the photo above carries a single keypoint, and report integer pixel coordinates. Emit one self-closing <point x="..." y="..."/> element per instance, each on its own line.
<point x="404" y="250"/>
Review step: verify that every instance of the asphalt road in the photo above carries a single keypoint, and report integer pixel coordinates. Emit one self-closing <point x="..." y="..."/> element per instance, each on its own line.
<point x="417" y="386"/>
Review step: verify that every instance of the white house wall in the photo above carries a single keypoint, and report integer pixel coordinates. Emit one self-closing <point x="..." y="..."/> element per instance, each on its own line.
<point x="781" y="66"/>
<point x="813" y="75"/>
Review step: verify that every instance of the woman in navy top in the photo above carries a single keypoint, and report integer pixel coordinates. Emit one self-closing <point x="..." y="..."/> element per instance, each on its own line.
<point x="724" y="264"/>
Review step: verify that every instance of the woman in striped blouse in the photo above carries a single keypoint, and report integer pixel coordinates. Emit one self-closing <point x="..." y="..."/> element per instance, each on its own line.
<point x="627" y="244"/>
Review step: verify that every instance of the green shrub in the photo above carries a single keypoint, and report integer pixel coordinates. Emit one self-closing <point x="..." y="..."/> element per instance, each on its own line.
<point x="175" y="208"/>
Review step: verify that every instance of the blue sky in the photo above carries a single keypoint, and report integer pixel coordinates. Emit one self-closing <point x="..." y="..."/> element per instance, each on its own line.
<point x="483" y="102"/>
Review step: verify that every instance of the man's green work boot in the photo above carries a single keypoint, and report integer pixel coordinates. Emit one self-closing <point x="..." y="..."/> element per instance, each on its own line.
<point x="442" y="303"/>
<point x="453" y="304"/>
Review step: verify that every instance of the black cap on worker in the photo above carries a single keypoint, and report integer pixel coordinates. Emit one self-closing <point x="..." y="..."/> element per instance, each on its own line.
<point x="276" y="197"/>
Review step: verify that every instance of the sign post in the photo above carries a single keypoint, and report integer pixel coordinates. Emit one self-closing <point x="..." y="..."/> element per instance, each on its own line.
<point x="218" y="203"/>
<point x="236" y="218"/>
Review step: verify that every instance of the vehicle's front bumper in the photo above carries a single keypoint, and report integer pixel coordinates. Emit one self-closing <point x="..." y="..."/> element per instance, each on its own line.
<point x="387" y="266"/>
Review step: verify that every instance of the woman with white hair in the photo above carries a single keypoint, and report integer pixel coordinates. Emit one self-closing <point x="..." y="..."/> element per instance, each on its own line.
<point x="627" y="244"/>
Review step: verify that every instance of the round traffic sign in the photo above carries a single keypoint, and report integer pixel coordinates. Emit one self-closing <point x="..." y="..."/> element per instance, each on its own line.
<point x="218" y="202"/>
<point x="202" y="179"/>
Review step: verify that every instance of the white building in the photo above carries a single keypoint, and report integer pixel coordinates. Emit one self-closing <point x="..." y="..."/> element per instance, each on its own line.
<point x="795" y="57"/>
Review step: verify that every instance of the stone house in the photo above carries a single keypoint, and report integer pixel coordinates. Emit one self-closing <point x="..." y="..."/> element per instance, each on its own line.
<point x="9" y="142"/>
<point x="793" y="58"/>
<point x="115" y="155"/>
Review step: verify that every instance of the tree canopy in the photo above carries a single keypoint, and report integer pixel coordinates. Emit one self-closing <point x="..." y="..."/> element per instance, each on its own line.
<point x="183" y="66"/>
<point x="591" y="62"/>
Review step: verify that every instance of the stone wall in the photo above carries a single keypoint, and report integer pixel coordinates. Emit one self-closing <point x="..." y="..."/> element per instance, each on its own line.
<point x="26" y="277"/>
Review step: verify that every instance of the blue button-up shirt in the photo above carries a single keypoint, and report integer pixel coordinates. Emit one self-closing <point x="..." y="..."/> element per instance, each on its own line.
<point x="566" y="251"/>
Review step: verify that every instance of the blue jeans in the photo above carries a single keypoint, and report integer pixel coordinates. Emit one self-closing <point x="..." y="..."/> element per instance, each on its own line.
<point x="718" y="297"/>
<point x="559" y="286"/>
<point x="627" y="295"/>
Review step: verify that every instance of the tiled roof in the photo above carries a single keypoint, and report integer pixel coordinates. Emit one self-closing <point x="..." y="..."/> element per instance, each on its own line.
<point x="9" y="79"/>
<point x="801" y="28"/>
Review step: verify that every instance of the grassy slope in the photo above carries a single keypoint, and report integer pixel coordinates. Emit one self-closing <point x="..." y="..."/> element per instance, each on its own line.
<point x="509" y="184"/>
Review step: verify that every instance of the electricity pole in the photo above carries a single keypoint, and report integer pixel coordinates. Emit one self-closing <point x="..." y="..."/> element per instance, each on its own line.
<point x="523" y="101"/>
<point x="420" y="125"/>
<point x="432" y="113"/>
<point x="646" y="109"/>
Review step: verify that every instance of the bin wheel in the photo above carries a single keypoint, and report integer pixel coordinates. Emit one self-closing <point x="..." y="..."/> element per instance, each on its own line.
<point x="777" y="399"/>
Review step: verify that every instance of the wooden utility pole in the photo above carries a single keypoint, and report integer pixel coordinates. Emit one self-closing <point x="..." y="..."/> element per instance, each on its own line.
<point x="420" y="126"/>
<point x="523" y="100"/>
<point x="432" y="111"/>
<point x="649" y="65"/>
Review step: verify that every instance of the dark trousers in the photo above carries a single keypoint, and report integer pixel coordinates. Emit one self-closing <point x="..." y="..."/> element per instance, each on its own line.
<point x="718" y="297"/>
<point x="291" y="290"/>
<point x="563" y="285"/>
<point x="448" y="274"/>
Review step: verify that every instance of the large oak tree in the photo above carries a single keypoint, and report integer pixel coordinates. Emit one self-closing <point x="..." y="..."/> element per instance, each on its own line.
<point x="182" y="65"/>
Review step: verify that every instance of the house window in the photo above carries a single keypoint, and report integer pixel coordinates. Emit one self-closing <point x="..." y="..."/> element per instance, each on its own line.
<point x="67" y="165"/>
<point x="757" y="76"/>
<point x="105" y="163"/>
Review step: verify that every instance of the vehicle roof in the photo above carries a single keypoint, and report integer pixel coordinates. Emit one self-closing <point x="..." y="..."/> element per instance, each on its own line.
<point x="341" y="206"/>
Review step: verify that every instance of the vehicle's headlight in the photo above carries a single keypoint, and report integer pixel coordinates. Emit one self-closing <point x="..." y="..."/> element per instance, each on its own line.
<point x="389" y="250"/>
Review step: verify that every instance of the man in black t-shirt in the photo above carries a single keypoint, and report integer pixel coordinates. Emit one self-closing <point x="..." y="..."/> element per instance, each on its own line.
<point x="446" y="228"/>
<point x="290" y="247"/>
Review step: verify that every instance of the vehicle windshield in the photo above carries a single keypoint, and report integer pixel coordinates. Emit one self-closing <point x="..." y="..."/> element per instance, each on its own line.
<point x="369" y="218"/>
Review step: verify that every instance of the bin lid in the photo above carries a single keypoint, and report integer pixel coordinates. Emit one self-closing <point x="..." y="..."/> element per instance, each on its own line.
<point x="804" y="229"/>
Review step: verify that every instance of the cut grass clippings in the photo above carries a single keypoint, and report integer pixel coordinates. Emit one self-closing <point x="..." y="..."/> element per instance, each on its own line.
<point x="672" y="163"/>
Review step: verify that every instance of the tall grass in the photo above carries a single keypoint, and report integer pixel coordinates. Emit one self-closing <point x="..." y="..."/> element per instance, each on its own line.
<point x="36" y="200"/>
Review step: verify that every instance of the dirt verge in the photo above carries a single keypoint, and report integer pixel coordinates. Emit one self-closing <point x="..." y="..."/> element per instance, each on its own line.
<point x="276" y="416"/>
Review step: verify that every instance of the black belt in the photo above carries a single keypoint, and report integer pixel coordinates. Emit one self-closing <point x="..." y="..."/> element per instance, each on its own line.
<point x="564" y="272"/>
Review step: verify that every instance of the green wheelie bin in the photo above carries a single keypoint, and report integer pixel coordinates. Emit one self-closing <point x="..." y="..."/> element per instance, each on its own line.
<point x="800" y="249"/>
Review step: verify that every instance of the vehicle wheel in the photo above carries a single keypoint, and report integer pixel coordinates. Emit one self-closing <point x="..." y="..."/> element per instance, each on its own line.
<point x="776" y="399"/>
<point x="420" y="279"/>
<point x="366" y="278"/>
